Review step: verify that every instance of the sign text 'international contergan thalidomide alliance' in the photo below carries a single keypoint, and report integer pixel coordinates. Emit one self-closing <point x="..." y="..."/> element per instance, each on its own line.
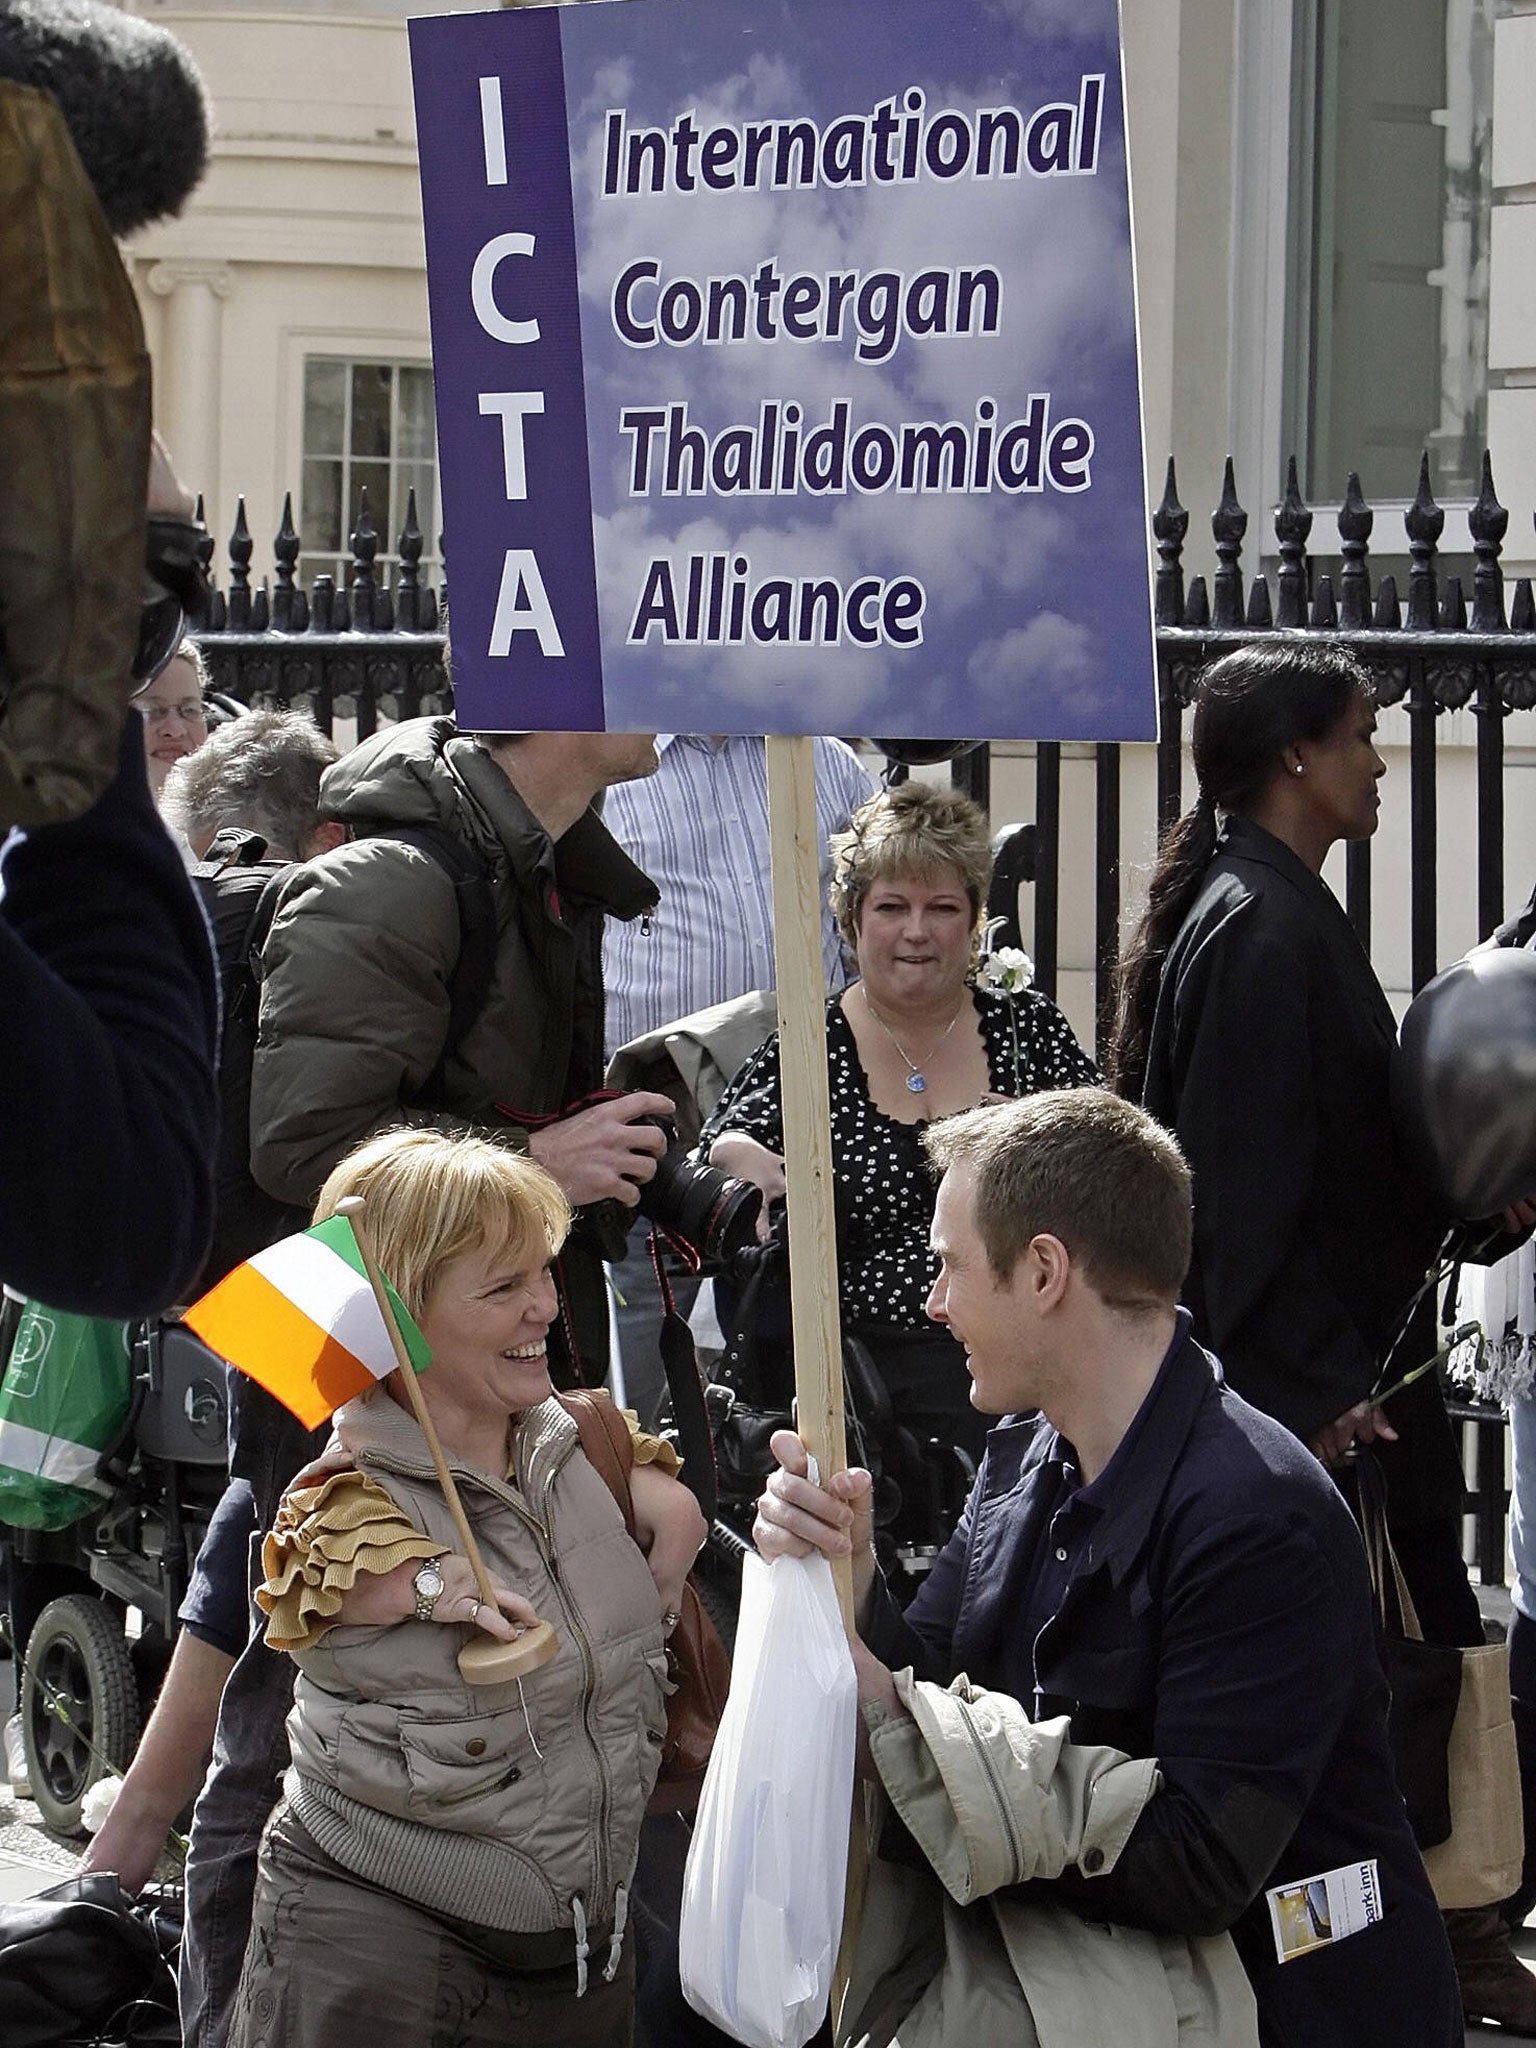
<point x="786" y="367"/>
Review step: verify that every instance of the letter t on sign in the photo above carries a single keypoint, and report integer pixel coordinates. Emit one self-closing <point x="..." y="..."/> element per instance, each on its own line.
<point x="493" y="127"/>
<point x="514" y="407"/>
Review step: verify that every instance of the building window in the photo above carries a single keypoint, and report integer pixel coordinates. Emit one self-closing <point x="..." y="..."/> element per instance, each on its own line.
<point x="1387" y="342"/>
<point x="366" y="425"/>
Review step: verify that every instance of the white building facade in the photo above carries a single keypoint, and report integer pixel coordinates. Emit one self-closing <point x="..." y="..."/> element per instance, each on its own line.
<point x="1335" y="223"/>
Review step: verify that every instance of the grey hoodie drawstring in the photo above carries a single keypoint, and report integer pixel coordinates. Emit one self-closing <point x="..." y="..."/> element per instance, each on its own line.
<point x="528" y="1724"/>
<point x="579" y="1916"/>
<point x="616" y="1946"/>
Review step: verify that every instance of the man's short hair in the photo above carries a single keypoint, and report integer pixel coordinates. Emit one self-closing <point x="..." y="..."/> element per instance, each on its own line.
<point x="261" y="773"/>
<point x="1081" y="1165"/>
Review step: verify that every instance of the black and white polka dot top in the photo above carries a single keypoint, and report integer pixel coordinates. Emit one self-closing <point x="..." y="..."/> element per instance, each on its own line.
<point x="884" y="1187"/>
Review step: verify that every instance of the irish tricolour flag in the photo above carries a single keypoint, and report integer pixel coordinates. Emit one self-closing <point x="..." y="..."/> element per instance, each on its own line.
<point x="301" y="1320"/>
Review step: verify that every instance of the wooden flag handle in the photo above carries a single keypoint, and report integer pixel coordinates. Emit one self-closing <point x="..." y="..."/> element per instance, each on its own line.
<point x="796" y="847"/>
<point x="487" y="1661"/>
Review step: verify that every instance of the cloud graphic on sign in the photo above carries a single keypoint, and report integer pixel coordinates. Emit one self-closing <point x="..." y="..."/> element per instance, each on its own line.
<point x="1054" y="662"/>
<point x="966" y="551"/>
<point x="1048" y="19"/>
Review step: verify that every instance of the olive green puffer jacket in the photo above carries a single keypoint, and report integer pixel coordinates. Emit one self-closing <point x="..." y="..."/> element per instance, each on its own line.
<point x="357" y="970"/>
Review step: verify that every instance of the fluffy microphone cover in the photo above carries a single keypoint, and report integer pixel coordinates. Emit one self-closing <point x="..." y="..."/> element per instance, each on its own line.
<point x="130" y="93"/>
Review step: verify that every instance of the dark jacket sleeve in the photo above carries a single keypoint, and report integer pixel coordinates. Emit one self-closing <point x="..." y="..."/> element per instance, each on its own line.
<point x="923" y="1635"/>
<point x="1256" y="1671"/>
<point x="1520" y="930"/>
<point x="108" y="1024"/>
<point x="1244" y="1110"/>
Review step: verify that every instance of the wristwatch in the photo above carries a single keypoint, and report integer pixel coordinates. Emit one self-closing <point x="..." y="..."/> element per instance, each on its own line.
<point x="428" y="1584"/>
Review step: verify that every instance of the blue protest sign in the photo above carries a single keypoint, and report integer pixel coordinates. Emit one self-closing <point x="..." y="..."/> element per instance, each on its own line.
<point x="786" y="367"/>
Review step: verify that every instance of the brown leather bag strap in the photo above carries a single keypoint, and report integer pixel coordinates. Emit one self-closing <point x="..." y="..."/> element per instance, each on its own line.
<point x="606" y="1442"/>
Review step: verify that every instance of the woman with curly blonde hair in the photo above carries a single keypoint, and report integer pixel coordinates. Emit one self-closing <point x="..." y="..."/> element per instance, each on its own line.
<point x="922" y="1033"/>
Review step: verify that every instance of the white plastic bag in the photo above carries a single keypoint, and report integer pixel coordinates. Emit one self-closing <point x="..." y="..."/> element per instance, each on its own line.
<point x="763" y="1892"/>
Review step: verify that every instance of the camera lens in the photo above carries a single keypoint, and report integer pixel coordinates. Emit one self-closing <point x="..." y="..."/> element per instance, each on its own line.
<point x="708" y="1209"/>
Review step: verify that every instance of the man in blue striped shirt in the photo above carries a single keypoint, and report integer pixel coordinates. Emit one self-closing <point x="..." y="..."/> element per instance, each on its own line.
<point x="699" y="829"/>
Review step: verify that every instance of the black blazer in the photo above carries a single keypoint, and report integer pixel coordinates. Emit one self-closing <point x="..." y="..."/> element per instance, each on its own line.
<point x="1219" y="1619"/>
<point x="1270" y="1057"/>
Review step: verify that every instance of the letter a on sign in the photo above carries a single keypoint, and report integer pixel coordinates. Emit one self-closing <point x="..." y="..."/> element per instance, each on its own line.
<point x="519" y="578"/>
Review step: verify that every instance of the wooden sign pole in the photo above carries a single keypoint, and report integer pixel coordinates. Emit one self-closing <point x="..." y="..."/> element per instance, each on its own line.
<point x="797" y="910"/>
<point x="813" y="1295"/>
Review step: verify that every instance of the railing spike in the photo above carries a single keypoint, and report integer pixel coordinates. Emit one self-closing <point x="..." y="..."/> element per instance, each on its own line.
<point x="1487" y="522"/>
<point x="285" y="552"/>
<point x="408" y="605"/>
<point x="1293" y="524"/>
<point x="1423" y="522"/>
<point x="1229" y="523"/>
<point x="363" y="587"/>
<point x="1355" y="522"/>
<point x="240" y="551"/>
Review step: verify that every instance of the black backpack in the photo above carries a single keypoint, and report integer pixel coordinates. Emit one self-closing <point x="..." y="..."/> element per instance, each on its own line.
<point x="241" y="889"/>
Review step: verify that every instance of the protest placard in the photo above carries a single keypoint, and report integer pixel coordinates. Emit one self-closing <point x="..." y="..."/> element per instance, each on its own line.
<point x="786" y="367"/>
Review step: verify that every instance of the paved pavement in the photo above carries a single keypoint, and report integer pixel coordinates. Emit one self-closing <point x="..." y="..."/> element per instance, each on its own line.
<point x="31" y="1856"/>
<point x="31" y="1859"/>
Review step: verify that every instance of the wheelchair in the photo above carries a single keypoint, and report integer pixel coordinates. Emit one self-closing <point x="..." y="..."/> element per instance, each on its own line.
<point x="83" y="1679"/>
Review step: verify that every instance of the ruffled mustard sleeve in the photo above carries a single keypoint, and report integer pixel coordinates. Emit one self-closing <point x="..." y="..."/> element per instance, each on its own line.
<point x="323" y="1537"/>
<point x="651" y="1450"/>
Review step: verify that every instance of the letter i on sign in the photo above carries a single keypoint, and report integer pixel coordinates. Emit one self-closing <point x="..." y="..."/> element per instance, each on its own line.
<point x="493" y="127"/>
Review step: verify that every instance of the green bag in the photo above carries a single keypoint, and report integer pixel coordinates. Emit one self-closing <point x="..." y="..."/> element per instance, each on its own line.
<point x="63" y="1401"/>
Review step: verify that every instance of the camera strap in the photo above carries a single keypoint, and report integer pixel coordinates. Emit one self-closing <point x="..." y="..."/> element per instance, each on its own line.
<point x="536" y="1120"/>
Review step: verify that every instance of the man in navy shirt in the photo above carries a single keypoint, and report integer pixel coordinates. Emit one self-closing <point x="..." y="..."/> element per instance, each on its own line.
<point x="1149" y="1556"/>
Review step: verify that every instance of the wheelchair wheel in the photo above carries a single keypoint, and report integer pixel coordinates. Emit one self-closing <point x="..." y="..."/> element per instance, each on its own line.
<point x="79" y="1705"/>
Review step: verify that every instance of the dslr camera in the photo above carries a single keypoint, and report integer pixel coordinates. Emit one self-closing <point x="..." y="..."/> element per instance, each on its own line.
<point x="710" y="1211"/>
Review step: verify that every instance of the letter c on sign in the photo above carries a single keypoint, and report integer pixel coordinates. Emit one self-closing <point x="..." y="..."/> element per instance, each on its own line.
<point x="864" y="630"/>
<point x="487" y="312"/>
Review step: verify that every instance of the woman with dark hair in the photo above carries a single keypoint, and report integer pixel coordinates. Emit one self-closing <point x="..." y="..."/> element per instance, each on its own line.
<point x="1251" y="1023"/>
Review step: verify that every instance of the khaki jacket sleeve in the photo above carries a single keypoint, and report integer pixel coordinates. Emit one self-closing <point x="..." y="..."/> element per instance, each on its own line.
<point x="993" y="1798"/>
<point x="354" y="1008"/>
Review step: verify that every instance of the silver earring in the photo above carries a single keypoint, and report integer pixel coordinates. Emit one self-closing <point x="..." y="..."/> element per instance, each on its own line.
<point x="1297" y="770"/>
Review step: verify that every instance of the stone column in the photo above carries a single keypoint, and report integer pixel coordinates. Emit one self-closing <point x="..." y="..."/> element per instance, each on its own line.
<point x="1512" y="284"/>
<point x="189" y="372"/>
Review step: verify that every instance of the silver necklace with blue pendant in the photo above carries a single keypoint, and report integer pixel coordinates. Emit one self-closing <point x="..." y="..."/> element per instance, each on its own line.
<point x="916" y="1082"/>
